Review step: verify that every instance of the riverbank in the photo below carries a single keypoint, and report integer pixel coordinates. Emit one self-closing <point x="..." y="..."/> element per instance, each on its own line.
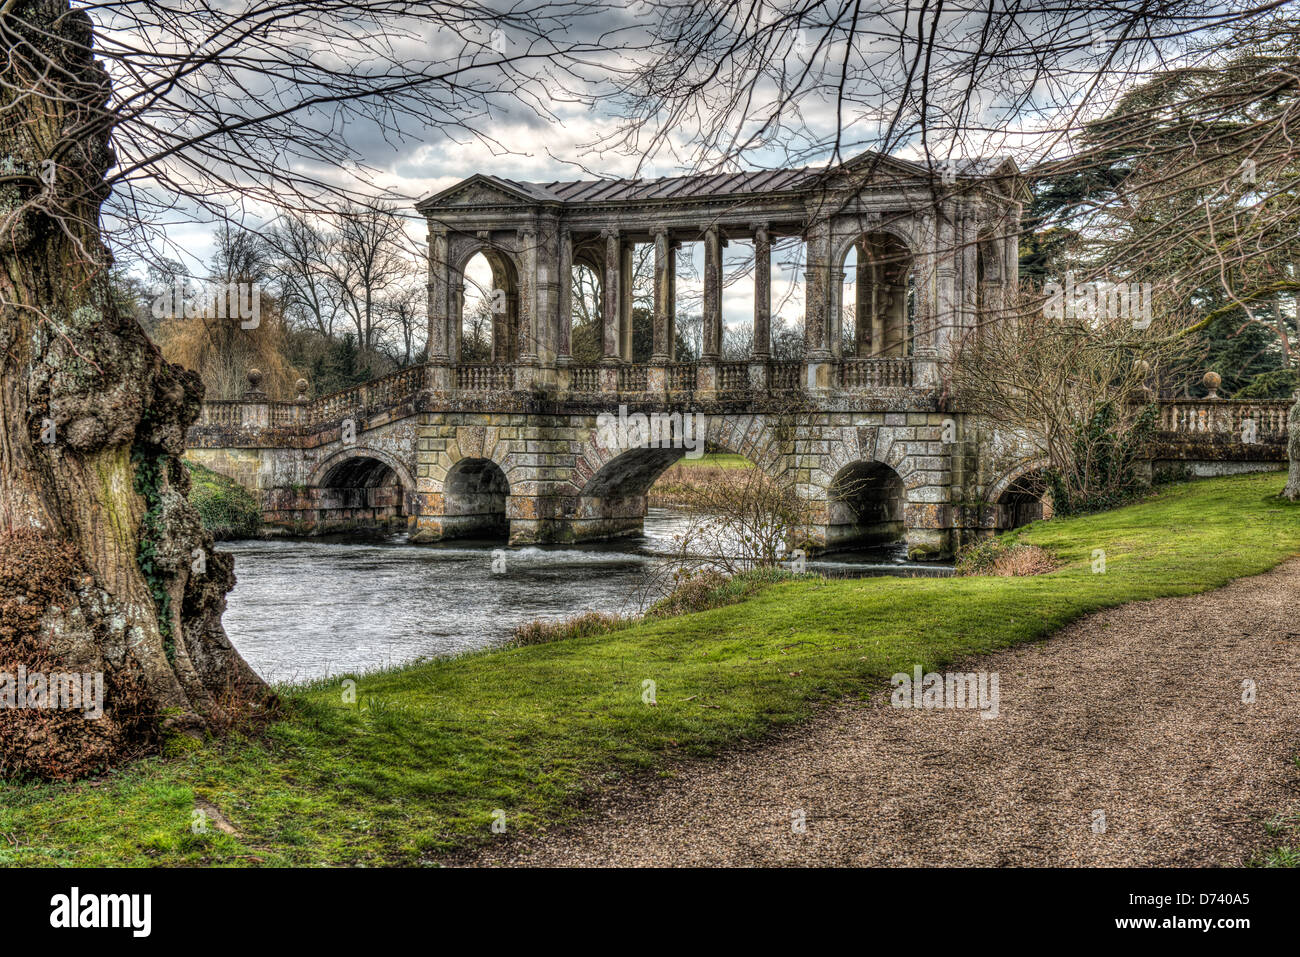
<point x="227" y="509"/>
<point x="681" y="484"/>
<point x="427" y="759"/>
<point x="1123" y="741"/>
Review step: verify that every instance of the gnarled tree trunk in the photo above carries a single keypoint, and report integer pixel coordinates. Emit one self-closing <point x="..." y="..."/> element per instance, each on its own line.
<point x="1292" y="490"/>
<point x="103" y="565"/>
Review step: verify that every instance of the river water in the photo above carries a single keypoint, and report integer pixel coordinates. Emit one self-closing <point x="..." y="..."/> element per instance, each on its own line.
<point x="309" y="608"/>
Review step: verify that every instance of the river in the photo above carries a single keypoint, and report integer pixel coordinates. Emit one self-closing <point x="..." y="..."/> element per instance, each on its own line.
<point x="309" y="608"/>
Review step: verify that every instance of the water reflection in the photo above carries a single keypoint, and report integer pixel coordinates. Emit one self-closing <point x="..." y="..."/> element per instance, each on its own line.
<point x="305" y="609"/>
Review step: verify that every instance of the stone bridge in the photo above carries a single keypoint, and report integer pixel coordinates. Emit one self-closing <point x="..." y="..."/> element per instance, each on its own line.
<point x="483" y="460"/>
<point x="862" y="432"/>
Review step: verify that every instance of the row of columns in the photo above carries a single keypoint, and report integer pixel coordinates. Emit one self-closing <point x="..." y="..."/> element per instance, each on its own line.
<point x="612" y="255"/>
<point x="616" y="306"/>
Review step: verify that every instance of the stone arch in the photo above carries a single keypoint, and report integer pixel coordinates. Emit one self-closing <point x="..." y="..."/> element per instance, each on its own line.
<point x="506" y="287"/>
<point x="886" y="307"/>
<point x="475" y="496"/>
<point x="599" y="461"/>
<point x="847" y="445"/>
<point x="611" y="482"/>
<point x="341" y="457"/>
<point x="1018" y="497"/>
<point x="864" y="505"/>
<point x="903" y="231"/>
<point x="361" y="488"/>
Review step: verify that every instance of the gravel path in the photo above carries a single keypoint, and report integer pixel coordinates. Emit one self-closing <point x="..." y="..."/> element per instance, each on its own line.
<point x="1135" y="713"/>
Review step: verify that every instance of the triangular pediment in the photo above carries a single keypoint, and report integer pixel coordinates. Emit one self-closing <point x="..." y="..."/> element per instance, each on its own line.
<point x="479" y="190"/>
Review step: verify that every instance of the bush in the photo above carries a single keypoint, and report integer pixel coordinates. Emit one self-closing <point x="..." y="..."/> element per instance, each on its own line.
<point x="697" y="591"/>
<point x="704" y="590"/>
<point x="226" y="508"/>
<point x="580" y="626"/>
<point x="1105" y="470"/>
<point x="996" y="556"/>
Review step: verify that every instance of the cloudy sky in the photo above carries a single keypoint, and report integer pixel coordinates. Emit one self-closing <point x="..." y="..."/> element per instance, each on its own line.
<point x="515" y="109"/>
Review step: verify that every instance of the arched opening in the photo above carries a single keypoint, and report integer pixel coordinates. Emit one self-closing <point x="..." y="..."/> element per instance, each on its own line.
<point x="361" y="492"/>
<point x="877" y="313"/>
<point x="988" y="281"/>
<point x="719" y="503"/>
<point x="864" y="506"/>
<point x="1025" y="500"/>
<point x="738" y="300"/>
<point x="689" y="304"/>
<point x="788" y="263"/>
<point x="488" y="306"/>
<point x="613" y="503"/>
<point x="587" y="324"/>
<point x="474" y="500"/>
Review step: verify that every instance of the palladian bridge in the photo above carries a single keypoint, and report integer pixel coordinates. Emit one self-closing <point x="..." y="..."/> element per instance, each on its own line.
<point x="866" y="435"/>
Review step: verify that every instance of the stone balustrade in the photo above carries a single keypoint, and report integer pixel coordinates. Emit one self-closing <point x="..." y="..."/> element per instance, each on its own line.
<point x="1206" y="416"/>
<point x="1180" y="421"/>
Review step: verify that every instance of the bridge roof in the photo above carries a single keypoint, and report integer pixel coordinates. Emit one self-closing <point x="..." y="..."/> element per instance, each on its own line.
<point x="701" y="185"/>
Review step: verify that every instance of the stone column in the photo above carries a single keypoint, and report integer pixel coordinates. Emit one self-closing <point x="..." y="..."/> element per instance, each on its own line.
<point x="564" y="295"/>
<point x="879" y="304"/>
<point x="933" y="272"/>
<point x="456" y="296"/>
<point x="712" y="332"/>
<point x="674" y="245"/>
<point x="762" y="293"/>
<point x="817" y="305"/>
<point x="611" y="308"/>
<point x="612" y="298"/>
<point x="863" y="296"/>
<point x="947" y="293"/>
<point x="439" y="299"/>
<point x="706" y="380"/>
<point x="625" y="301"/>
<point x="662" y="350"/>
<point x="525" y="315"/>
<point x="760" y="373"/>
<point x="836" y="333"/>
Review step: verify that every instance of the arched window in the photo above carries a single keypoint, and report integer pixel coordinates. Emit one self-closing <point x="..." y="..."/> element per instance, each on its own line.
<point x="489" y="309"/>
<point x="878" y="304"/>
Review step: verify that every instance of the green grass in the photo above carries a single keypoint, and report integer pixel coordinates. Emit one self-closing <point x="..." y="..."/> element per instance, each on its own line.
<point x="717" y="460"/>
<point x="225" y="507"/>
<point x="418" y="765"/>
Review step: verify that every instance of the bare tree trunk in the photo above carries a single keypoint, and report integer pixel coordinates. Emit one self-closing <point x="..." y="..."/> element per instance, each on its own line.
<point x="103" y="564"/>
<point x="1292" y="490"/>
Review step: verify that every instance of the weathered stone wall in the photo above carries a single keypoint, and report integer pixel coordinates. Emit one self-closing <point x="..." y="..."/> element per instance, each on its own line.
<point x="545" y="470"/>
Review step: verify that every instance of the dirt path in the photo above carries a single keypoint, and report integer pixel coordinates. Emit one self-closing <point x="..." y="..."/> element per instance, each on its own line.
<point x="1136" y="712"/>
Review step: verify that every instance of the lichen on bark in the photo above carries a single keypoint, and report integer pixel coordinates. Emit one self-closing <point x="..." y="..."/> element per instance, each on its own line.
<point x="82" y="389"/>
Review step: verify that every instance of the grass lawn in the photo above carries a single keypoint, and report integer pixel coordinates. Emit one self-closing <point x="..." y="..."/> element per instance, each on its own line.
<point x="717" y="460"/>
<point x="421" y="761"/>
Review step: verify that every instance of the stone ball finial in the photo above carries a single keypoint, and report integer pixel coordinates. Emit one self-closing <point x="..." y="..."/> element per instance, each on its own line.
<point x="301" y="387"/>
<point x="1212" y="381"/>
<point x="255" y="380"/>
